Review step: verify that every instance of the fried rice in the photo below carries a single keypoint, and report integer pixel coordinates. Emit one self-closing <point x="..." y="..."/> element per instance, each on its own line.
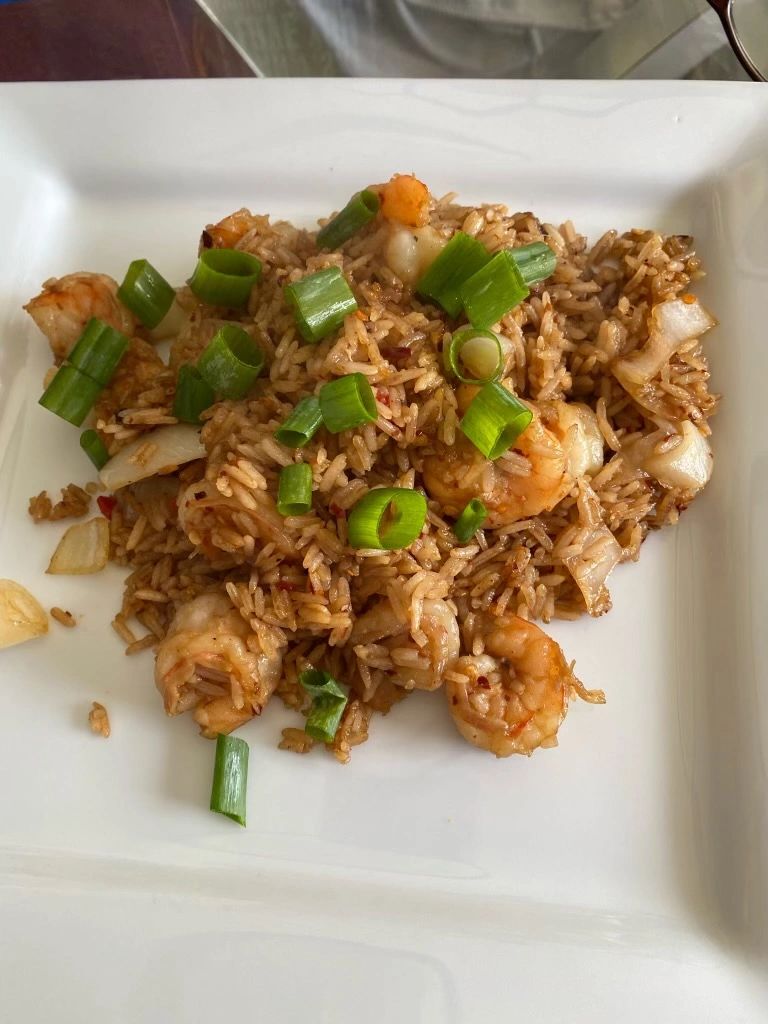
<point x="303" y="596"/>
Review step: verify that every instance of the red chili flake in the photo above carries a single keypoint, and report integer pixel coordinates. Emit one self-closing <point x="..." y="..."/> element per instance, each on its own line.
<point x="106" y="504"/>
<point x="482" y="682"/>
<point x="382" y="396"/>
<point x="287" y="585"/>
<point x="334" y="509"/>
<point x="688" y="299"/>
<point x="395" y="353"/>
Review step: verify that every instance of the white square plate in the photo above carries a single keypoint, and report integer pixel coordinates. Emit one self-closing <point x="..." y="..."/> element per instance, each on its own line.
<point x="622" y="877"/>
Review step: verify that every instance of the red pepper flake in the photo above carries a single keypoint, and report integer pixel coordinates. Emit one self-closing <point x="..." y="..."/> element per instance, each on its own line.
<point x="335" y="510"/>
<point x="361" y="315"/>
<point x="482" y="682"/>
<point x="106" y="503"/>
<point x="688" y="299"/>
<point x="395" y="353"/>
<point x="287" y="585"/>
<point x="382" y="396"/>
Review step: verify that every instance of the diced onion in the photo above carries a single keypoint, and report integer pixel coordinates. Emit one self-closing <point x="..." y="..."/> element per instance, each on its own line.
<point x="689" y="465"/>
<point x="672" y="323"/>
<point x="21" y="615"/>
<point x="83" y="549"/>
<point x="598" y="556"/>
<point x="164" y="450"/>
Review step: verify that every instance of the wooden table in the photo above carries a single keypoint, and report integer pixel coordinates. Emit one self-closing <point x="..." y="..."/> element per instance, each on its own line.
<point x="63" y="40"/>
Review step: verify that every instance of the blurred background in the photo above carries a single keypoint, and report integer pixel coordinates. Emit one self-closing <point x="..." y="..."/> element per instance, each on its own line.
<point x="95" y="39"/>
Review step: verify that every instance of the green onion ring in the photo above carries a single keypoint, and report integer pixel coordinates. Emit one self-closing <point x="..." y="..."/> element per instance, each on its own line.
<point x="328" y="703"/>
<point x="453" y="359"/>
<point x="347" y="402"/>
<point x="361" y="208"/>
<point x="225" y="277"/>
<point x="302" y="424"/>
<point x="231" y="362"/>
<point x="387" y="518"/>
<point x="230" y="778"/>
<point x="294" y="489"/>
<point x="472" y="517"/>
<point x="494" y="420"/>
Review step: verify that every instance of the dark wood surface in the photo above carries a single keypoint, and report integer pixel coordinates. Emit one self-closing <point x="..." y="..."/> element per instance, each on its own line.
<point x="67" y="40"/>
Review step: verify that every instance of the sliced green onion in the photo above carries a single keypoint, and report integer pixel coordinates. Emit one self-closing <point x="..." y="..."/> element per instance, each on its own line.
<point x="225" y="277"/>
<point x="231" y="362"/>
<point x="94" y="448"/>
<point x="320" y="302"/>
<point x="535" y="261"/>
<point x="146" y="293"/>
<point x="474" y="356"/>
<point x="347" y="402"/>
<point x="294" y="489"/>
<point x="462" y="257"/>
<point x="303" y="423"/>
<point x="493" y="291"/>
<point x="494" y="420"/>
<point x="328" y="703"/>
<point x="388" y="518"/>
<point x="70" y="395"/>
<point x="472" y="517"/>
<point x="98" y="351"/>
<point x="230" y="778"/>
<point x="193" y="395"/>
<point x="361" y="208"/>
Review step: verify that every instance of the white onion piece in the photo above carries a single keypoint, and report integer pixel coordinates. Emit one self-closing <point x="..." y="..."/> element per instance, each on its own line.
<point x="599" y="555"/>
<point x="579" y="433"/>
<point x="158" y="451"/>
<point x="689" y="465"/>
<point x="21" y="615"/>
<point x="672" y="323"/>
<point x="635" y="453"/>
<point x="410" y="251"/>
<point x="83" y="549"/>
<point x="171" y="324"/>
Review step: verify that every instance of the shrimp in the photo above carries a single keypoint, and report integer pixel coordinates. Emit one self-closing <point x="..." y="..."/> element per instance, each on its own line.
<point x="217" y="523"/>
<point x="533" y="480"/>
<point x="406" y="200"/>
<point x="212" y="661"/>
<point x="380" y="638"/>
<point x="228" y="231"/>
<point x="596" y="554"/>
<point x="65" y="305"/>
<point x="512" y="698"/>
